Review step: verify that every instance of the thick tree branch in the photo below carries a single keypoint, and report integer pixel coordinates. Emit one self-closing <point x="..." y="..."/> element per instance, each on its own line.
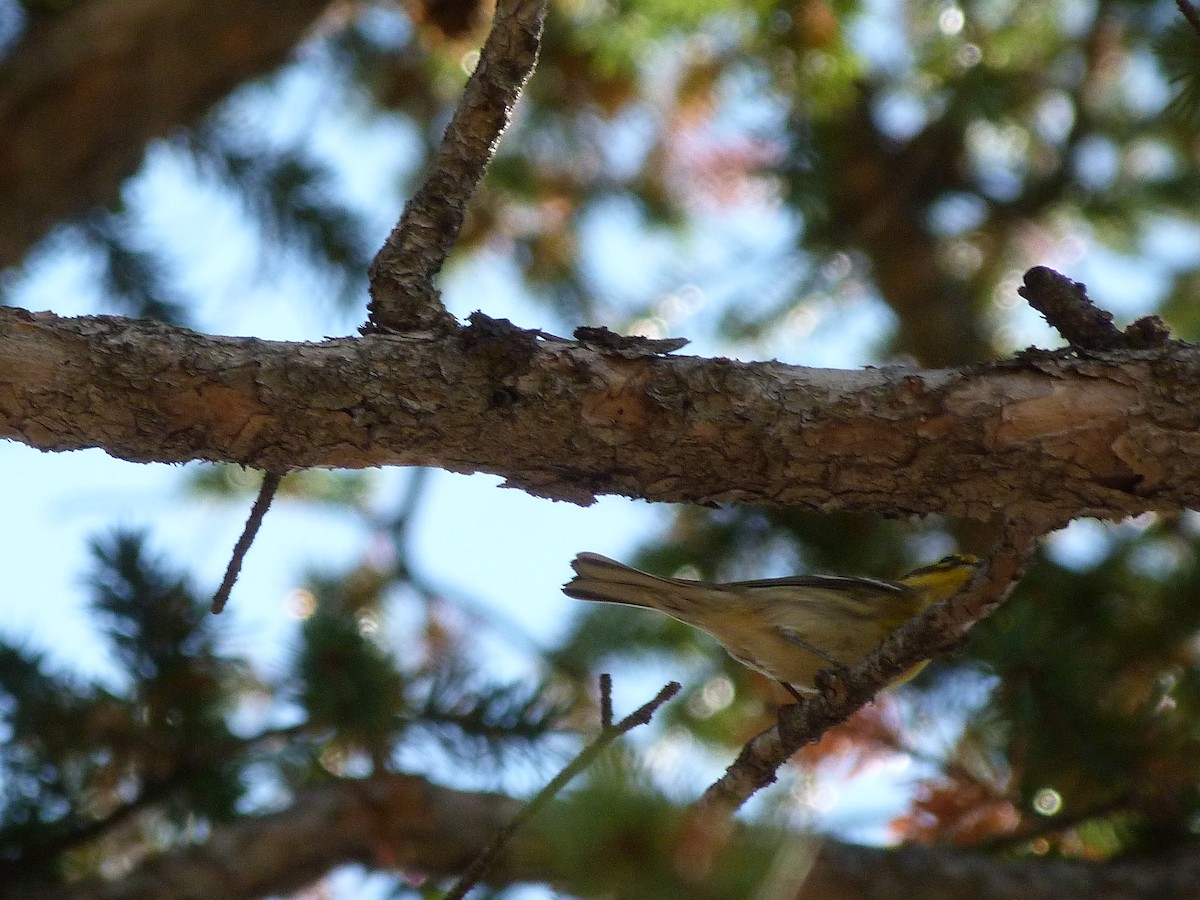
<point x="939" y="629"/>
<point x="1046" y="438"/>
<point x="387" y="821"/>
<point x="403" y="295"/>
<point x="403" y="822"/>
<point x="88" y="88"/>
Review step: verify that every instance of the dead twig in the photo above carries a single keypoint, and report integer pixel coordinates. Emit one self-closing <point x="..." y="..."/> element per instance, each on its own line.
<point x="1067" y="308"/>
<point x="609" y="732"/>
<point x="266" y="493"/>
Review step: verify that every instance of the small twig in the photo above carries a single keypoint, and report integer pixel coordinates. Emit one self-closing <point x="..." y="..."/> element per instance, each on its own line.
<point x="841" y="694"/>
<point x="403" y="295"/>
<point x="608" y="733"/>
<point x="1067" y="308"/>
<point x="266" y="493"/>
<point x="606" y="707"/>
<point x="1190" y="13"/>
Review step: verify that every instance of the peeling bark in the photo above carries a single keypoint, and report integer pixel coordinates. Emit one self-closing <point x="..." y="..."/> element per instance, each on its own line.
<point x="1044" y="438"/>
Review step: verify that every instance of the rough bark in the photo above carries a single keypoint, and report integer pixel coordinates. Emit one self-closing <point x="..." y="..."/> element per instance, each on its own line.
<point x="404" y="297"/>
<point x="87" y="89"/>
<point x="1044" y="438"/>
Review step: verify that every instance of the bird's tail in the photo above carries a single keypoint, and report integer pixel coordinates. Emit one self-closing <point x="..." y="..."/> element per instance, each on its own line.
<point x="608" y="581"/>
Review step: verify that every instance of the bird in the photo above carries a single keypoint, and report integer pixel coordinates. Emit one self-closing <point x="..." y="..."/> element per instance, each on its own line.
<point x="786" y="628"/>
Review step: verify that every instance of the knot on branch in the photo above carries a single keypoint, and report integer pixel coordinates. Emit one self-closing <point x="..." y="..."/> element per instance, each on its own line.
<point x="406" y="306"/>
<point x="1066" y="306"/>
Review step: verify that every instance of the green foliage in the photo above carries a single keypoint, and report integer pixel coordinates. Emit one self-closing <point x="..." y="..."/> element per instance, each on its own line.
<point x="481" y="721"/>
<point x="649" y="847"/>
<point x="157" y="628"/>
<point x="182" y="687"/>
<point x="81" y="758"/>
<point x="1178" y="51"/>
<point x="46" y="755"/>
<point x="135" y="278"/>
<point x="348" y="683"/>
<point x="1098" y="694"/>
<point x="336" y="488"/>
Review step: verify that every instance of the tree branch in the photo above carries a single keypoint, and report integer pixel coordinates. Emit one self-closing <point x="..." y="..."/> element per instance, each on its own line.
<point x="403" y="295"/>
<point x="938" y="629"/>
<point x="1046" y="438"/>
<point x="1190" y="13"/>
<point x="386" y="821"/>
<point x="60" y="157"/>
<point x="391" y="821"/>
<point x="1067" y="308"/>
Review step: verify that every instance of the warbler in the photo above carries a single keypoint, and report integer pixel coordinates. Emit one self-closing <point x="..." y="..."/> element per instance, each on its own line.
<point x="786" y="628"/>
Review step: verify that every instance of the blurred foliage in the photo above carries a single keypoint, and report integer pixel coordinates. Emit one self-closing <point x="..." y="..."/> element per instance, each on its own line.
<point x="133" y="275"/>
<point x="87" y="768"/>
<point x="80" y="758"/>
<point x="289" y="195"/>
<point x="652" y="849"/>
<point x="1098" y="695"/>
<point x="1176" y="51"/>
<point x="337" y="488"/>
<point x="918" y="155"/>
<point x="348" y="683"/>
<point x="923" y="153"/>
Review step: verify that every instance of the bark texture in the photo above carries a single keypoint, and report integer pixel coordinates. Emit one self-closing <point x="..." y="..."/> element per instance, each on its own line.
<point x="403" y="295"/>
<point x="87" y="89"/>
<point x="1044" y="438"/>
